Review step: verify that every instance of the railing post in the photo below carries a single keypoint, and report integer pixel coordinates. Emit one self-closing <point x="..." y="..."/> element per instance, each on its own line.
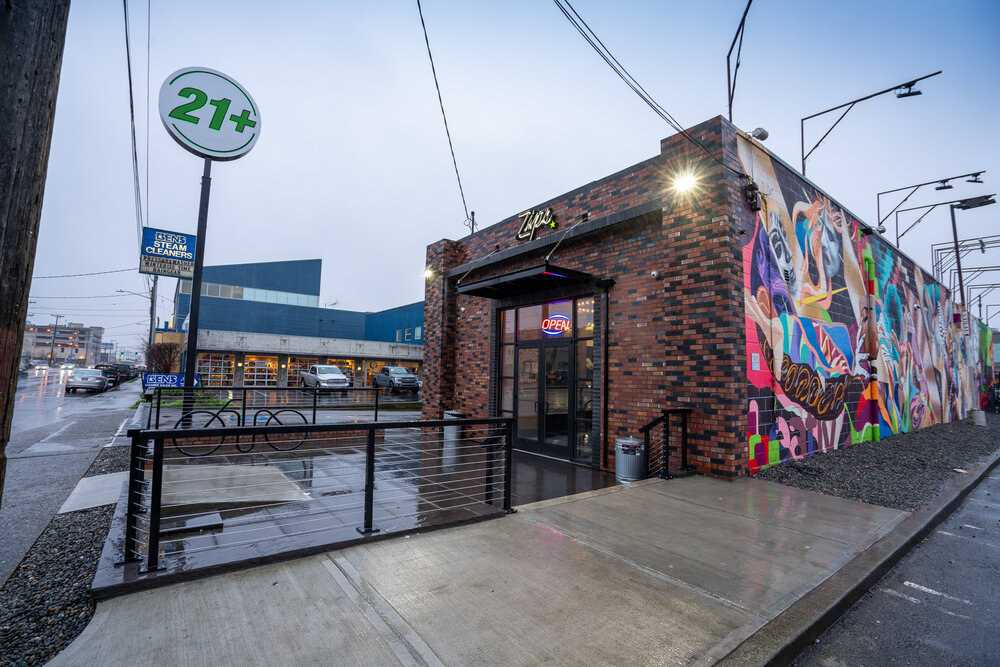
<point x="684" y="440"/>
<point x="508" y="452"/>
<point x="243" y="412"/>
<point x="491" y="449"/>
<point x="155" y="495"/>
<point x="133" y="504"/>
<point x="315" y="400"/>
<point x="376" y="403"/>
<point x="159" y="399"/>
<point x="645" y="444"/>
<point x="369" y="484"/>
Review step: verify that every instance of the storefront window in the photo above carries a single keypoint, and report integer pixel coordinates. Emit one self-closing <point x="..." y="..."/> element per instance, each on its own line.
<point x="346" y="367"/>
<point x="545" y="321"/>
<point x="295" y="367"/>
<point x="585" y="318"/>
<point x="216" y="370"/>
<point x="508" y="325"/>
<point x="260" y="371"/>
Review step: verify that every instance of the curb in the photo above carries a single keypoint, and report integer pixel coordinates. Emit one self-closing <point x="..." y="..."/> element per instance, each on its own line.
<point x="780" y="640"/>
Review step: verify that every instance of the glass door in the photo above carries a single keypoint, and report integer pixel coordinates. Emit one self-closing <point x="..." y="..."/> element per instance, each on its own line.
<point x="554" y="402"/>
<point x="527" y="399"/>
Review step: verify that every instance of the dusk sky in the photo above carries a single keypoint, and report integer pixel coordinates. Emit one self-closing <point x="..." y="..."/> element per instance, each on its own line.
<point x="353" y="166"/>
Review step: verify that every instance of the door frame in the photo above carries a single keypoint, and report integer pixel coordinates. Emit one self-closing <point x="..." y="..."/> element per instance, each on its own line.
<point x="538" y="445"/>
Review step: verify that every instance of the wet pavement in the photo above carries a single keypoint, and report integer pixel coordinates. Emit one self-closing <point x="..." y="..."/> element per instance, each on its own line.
<point x="657" y="572"/>
<point x="54" y="438"/>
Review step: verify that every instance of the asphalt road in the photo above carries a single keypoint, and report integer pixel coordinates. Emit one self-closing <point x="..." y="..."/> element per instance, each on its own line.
<point x="54" y="438"/>
<point x="938" y="606"/>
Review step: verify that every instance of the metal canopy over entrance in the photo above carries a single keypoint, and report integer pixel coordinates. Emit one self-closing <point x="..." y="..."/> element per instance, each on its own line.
<point x="539" y="278"/>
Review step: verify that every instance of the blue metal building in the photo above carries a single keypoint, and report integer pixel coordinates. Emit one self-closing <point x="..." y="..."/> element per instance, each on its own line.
<point x="261" y="324"/>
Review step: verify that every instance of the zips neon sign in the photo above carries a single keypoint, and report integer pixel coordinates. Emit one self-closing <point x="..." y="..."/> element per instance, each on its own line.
<point x="555" y="325"/>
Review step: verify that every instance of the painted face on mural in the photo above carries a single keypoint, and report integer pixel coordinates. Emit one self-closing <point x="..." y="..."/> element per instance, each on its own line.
<point x="782" y="250"/>
<point x="832" y="248"/>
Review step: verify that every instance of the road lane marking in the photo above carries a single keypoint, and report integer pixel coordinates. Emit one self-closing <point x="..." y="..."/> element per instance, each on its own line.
<point x="924" y="589"/>
<point x="965" y="525"/>
<point x="900" y="595"/>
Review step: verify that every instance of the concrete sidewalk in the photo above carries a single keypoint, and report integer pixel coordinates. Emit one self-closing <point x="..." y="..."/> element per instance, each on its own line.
<point x="658" y="572"/>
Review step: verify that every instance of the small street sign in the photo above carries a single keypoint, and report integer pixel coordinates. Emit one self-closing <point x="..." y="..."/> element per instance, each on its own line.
<point x="209" y="114"/>
<point x="153" y="380"/>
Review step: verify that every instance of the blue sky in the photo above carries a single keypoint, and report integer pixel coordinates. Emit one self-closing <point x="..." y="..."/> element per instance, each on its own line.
<point x="353" y="166"/>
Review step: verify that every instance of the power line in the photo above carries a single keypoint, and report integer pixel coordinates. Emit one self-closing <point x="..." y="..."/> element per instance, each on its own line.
<point x="102" y="296"/>
<point x="441" y="104"/>
<point x="77" y="275"/>
<point x="131" y="112"/>
<point x="595" y="42"/>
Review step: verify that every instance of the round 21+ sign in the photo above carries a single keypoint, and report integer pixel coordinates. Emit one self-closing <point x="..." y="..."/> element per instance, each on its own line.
<point x="209" y="114"/>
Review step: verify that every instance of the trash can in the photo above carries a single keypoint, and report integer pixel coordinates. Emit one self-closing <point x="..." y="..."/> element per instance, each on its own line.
<point x="630" y="460"/>
<point x="452" y="434"/>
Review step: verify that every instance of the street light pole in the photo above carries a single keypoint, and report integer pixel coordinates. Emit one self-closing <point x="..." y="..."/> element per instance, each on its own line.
<point x="52" y="346"/>
<point x="965" y="204"/>
<point x="908" y="92"/>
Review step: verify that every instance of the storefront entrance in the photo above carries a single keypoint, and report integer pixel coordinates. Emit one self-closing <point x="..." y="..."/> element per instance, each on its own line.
<point x="543" y="424"/>
<point x="546" y="378"/>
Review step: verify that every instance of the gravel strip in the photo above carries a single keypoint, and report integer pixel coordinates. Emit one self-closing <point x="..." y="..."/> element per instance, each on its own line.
<point x="46" y="602"/>
<point x="904" y="472"/>
<point x="111" y="459"/>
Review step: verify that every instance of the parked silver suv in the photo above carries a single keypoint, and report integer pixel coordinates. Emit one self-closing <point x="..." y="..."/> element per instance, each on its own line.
<point x="396" y="379"/>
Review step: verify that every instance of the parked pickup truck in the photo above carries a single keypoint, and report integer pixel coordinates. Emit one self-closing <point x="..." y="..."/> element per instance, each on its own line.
<point x="396" y="379"/>
<point x="324" y="377"/>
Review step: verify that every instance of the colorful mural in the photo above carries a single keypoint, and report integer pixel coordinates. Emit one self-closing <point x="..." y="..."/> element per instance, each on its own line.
<point x="847" y="340"/>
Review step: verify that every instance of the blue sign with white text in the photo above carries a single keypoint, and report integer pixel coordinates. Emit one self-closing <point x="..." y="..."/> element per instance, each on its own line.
<point x="153" y="380"/>
<point x="167" y="253"/>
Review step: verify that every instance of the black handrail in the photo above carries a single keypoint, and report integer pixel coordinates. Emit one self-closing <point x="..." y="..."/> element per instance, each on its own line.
<point x="145" y="440"/>
<point x="664" y="419"/>
<point x="157" y="398"/>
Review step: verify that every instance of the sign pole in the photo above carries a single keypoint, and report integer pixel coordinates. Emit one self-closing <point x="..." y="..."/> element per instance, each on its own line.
<point x="191" y="358"/>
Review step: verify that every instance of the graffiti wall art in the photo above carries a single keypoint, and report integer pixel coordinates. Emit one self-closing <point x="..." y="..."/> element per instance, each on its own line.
<point x="847" y="340"/>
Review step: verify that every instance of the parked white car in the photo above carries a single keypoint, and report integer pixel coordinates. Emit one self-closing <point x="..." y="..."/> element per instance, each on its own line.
<point x="88" y="379"/>
<point x="324" y="377"/>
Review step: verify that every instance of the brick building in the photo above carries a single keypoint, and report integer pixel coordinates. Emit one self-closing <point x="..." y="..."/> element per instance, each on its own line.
<point x="752" y="298"/>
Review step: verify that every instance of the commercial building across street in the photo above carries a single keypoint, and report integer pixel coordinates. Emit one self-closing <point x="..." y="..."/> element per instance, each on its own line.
<point x="754" y="300"/>
<point x="261" y="325"/>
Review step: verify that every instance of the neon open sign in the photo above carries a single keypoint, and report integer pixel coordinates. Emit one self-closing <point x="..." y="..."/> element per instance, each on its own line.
<point x="556" y="324"/>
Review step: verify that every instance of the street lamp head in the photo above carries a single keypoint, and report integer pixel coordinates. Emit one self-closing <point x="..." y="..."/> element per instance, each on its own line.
<point x="906" y="90"/>
<point x="945" y="185"/>
<point x="760" y="134"/>
<point x="975" y="178"/>
<point x="974" y="202"/>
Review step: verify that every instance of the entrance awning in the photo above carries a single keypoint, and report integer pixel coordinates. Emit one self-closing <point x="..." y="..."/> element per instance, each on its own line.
<point x="533" y="279"/>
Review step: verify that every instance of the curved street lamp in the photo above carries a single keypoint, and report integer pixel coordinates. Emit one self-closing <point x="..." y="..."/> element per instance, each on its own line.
<point x="902" y="90"/>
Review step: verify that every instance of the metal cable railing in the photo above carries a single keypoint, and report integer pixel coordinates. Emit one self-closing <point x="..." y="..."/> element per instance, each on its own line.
<point x="658" y="449"/>
<point x="272" y="489"/>
<point x="218" y="407"/>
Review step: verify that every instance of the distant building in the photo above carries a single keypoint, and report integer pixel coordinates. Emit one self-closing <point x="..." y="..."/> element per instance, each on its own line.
<point x="72" y="342"/>
<point x="261" y="324"/>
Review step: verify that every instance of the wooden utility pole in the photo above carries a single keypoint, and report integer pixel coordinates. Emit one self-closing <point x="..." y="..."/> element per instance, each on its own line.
<point x="32" y="33"/>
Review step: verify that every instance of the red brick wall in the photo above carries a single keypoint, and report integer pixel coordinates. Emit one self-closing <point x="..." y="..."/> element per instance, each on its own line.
<point x="674" y="341"/>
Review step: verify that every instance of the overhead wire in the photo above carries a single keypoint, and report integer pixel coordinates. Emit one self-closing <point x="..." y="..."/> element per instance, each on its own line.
<point x="136" y="180"/>
<point x="595" y="42"/>
<point x="447" y="131"/>
<point x="77" y="275"/>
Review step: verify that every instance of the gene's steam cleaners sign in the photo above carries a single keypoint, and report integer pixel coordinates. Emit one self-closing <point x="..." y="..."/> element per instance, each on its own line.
<point x="167" y="253"/>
